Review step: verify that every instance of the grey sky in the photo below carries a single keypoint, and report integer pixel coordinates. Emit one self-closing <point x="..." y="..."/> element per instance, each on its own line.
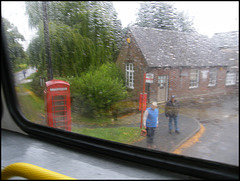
<point x="209" y="16"/>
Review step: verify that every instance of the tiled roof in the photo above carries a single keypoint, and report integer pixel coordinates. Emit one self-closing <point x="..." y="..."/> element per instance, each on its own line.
<point x="226" y="39"/>
<point x="163" y="48"/>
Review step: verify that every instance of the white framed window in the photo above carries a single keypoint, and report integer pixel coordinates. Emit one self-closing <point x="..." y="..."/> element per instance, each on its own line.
<point x="212" y="77"/>
<point x="194" y="78"/>
<point x="231" y="78"/>
<point x="129" y="75"/>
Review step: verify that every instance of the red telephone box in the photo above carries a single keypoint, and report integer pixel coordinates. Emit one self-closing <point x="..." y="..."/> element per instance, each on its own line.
<point x="58" y="104"/>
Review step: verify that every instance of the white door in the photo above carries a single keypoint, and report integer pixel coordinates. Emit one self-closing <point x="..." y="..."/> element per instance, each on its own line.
<point x="162" y="88"/>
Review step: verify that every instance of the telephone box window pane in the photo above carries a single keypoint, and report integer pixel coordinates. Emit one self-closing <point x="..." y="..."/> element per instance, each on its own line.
<point x="59" y="103"/>
<point x="59" y="97"/>
<point x="62" y="108"/>
<point x="59" y="111"/>
<point x="59" y="100"/>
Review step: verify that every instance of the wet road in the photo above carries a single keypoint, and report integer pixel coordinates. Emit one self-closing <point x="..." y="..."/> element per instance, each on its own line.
<point x="220" y="140"/>
<point x="19" y="76"/>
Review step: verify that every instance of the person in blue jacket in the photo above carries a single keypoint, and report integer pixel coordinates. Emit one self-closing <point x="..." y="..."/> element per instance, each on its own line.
<point x="150" y="123"/>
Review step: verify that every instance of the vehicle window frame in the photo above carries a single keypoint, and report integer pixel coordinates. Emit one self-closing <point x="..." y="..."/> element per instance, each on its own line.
<point x="176" y="163"/>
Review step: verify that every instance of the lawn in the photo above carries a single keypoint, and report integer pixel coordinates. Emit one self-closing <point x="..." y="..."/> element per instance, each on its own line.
<point x="31" y="105"/>
<point x="127" y="135"/>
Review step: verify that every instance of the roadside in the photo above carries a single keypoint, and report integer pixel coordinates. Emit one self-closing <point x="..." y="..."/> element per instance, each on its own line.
<point x="209" y="129"/>
<point x="220" y="140"/>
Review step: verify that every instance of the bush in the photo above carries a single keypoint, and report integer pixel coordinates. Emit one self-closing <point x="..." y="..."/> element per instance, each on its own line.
<point x="19" y="67"/>
<point x="97" y="90"/>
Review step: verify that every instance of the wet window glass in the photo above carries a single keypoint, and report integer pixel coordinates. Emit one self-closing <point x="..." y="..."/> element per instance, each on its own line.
<point x="111" y="69"/>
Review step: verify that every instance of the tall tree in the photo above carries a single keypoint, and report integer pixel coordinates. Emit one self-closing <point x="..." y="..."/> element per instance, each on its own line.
<point x="163" y="16"/>
<point x="17" y="54"/>
<point x="88" y="31"/>
<point x="47" y="41"/>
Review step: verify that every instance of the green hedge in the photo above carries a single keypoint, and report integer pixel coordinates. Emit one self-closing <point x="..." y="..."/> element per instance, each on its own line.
<point x="97" y="90"/>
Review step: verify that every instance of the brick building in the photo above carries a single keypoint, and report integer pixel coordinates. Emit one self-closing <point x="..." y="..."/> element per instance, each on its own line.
<point x="228" y="44"/>
<point x="183" y="64"/>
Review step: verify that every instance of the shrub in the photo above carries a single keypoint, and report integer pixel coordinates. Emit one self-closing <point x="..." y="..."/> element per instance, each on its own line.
<point x="19" y="67"/>
<point x="97" y="90"/>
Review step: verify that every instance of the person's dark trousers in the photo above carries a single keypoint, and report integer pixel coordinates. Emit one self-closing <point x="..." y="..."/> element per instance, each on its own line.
<point x="171" y="119"/>
<point x="150" y="135"/>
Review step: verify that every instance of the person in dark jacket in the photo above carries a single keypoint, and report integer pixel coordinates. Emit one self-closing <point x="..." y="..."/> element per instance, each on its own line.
<point x="171" y="112"/>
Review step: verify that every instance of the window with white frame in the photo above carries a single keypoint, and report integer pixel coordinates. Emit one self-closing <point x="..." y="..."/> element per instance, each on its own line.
<point x="212" y="77"/>
<point x="129" y="75"/>
<point x="231" y="78"/>
<point x="194" y="78"/>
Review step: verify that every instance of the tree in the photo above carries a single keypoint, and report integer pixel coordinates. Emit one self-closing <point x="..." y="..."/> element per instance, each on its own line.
<point x="72" y="53"/>
<point x="184" y="23"/>
<point x="163" y="16"/>
<point x="35" y="51"/>
<point x="87" y="31"/>
<point x="16" y="52"/>
<point x="47" y="41"/>
<point x="35" y="14"/>
<point x="84" y="37"/>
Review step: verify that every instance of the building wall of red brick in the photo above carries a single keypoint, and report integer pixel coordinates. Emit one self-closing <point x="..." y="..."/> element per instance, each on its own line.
<point x="178" y="83"/>
<point x="130" y="53"/>
<point x="178" y="78"/>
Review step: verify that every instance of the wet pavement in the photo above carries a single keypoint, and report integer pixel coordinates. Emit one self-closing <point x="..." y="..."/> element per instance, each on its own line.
<point x="169" y="142"/>
<point x="209" y="130"/>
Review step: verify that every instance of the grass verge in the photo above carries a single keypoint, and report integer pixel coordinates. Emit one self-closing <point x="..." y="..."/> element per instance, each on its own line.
<point x="126" y="135"/>
<point x="31" y="105"/>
